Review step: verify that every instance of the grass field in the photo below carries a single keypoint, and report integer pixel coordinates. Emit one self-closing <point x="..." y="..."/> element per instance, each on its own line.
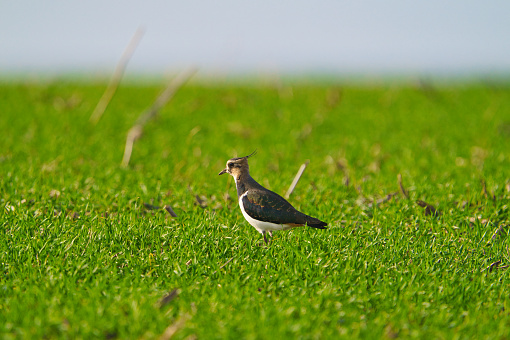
<point x="85" y="252"/>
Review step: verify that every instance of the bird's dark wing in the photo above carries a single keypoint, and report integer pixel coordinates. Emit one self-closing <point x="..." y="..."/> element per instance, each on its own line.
<point x="267" y="206"/>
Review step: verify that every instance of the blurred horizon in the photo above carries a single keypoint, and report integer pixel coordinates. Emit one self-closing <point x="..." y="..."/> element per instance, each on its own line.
<point x="228" y="38"/>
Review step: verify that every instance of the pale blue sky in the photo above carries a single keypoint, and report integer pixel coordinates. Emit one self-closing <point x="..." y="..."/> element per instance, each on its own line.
<point x="361" y="37"/>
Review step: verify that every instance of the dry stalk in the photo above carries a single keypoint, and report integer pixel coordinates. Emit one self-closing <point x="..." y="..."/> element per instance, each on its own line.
<point x="486" y="192"/>
<point x="403" y="191"/>
<point x="429" y="208"/>
<point x="116" y="77"/>
<point x="136" y="131"/>
<point x="296" y="179"/>
<point x="171" y="330"/>
<point x="169" y="297"/>
<point x="170" y="211"/>
<point x="222" y="266"/>
<point x="383" y="199"/>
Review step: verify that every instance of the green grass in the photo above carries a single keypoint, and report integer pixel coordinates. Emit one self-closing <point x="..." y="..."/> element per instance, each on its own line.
<point x="82" y="257"/>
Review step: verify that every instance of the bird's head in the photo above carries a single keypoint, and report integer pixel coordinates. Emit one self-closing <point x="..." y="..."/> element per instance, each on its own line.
<point x="237" y="166"/>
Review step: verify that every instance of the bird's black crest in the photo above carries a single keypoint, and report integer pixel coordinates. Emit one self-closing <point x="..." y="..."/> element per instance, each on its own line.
<point x="245" y="157"/>
<point x="251" y="154"/>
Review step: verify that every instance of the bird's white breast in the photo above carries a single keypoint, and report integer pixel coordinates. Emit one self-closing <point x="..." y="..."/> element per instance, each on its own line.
<point x="261" y="226"/>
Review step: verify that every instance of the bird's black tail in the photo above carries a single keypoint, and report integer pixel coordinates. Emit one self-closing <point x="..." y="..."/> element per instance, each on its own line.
<point x="317" y="224"/>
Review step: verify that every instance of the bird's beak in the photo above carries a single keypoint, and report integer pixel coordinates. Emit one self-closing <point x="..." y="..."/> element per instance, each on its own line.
<point x="224" y="171"/>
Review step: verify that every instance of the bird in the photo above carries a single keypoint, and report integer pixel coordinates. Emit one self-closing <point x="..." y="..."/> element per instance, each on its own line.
<point x="264" y="209"/>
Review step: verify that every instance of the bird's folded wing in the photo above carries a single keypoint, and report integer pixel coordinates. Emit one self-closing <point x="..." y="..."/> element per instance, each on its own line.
<point x="270" y="207"/>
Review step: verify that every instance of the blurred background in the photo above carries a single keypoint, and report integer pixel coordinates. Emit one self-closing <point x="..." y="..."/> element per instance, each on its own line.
<point x="455" y="38"/>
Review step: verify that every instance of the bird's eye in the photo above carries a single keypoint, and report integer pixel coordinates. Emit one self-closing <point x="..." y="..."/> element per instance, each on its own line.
<point x="230" y="165"/>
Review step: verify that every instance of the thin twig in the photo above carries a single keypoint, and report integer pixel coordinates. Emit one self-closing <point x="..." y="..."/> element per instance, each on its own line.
<point x="429" y="208"/>
<point x="296" y="179"/>
<point x="133" y="134"/>
<point x="136" y="131"/>
<point x="347" y="179"/>
<point x="499" y="230"/>
<point x="486" y="192"/>
<point x="383" y="199"/>
<point x="403" y="191"/>
<point x="167" y="94"/>
<point x="117" y="76"/>
<point x="174" y="328"/>
<point x="170" y="211"/>
<point x="200" y="202"/>
<point x="149" y="206"/>
<point x="169" y="297"/>
<point x="222" y="266"/>
<point x="493" y="265"/>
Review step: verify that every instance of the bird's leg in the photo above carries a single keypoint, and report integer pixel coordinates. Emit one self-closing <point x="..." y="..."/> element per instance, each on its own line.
<point x="264" y="234"/>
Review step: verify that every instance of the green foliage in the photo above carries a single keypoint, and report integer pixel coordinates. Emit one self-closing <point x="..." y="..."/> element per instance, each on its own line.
<point x="86" y="252"/>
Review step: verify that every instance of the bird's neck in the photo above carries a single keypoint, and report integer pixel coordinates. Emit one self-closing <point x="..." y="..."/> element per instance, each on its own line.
<point x="244" y="182"/>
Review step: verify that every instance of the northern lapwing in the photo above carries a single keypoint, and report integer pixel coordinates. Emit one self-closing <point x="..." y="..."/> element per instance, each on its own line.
<point x="263" y="209"/>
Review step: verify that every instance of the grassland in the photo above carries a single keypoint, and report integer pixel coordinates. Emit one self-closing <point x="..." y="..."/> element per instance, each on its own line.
<point x="86" y="253"/>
